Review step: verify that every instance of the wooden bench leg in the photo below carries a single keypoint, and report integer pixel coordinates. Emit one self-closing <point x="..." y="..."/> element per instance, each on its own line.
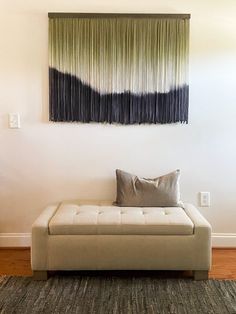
<point x="200" y="274"/>
<point x="40" y="275"/>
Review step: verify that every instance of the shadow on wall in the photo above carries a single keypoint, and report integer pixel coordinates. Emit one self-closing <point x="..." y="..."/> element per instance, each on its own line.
<point x="84" y="189"/>
<point x="45" y="94"/>
<point x="29" y="199"/>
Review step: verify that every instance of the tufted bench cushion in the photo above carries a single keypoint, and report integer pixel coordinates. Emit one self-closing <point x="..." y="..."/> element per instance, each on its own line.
<point x="103" y="218"/>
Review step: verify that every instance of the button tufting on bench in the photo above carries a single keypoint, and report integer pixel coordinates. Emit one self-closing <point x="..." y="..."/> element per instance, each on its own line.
<point x="109" y="219"/>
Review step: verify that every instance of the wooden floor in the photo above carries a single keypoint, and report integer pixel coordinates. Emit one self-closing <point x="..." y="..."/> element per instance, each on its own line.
<point x="17" y="262"/>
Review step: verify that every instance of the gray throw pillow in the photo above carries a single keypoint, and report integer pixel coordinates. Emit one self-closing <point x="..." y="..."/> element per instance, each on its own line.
<point x="135" y="191"/>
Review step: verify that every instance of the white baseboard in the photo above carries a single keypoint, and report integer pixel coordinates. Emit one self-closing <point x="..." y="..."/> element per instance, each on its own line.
<point x="24" y="240"/>
<point x="15" y="239"/>
<point x="224" y="240"/>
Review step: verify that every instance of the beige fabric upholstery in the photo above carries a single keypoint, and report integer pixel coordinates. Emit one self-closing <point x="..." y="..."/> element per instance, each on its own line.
<point x="121" y="251"/>
<point x="39" y="251"/>
<point x="85" y="252"/>
<point x="107" y="219"/>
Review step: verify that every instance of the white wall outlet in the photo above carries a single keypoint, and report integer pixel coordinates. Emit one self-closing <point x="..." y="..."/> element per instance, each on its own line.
<point x="14" y="120"/>
<point x="205" y="199"/>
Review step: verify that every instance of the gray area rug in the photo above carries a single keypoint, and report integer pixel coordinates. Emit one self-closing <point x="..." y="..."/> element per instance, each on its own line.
<point x="116" y="294"/>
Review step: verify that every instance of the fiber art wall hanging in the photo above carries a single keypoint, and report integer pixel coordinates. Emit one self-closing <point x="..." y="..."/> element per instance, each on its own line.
<point x="125" y="68"/>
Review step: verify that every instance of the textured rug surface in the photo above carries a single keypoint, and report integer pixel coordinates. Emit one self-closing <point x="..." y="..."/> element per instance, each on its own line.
<point x="105" y="294"/>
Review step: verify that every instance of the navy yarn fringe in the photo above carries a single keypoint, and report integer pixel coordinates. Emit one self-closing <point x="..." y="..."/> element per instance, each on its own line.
<point x="71" y="100"/>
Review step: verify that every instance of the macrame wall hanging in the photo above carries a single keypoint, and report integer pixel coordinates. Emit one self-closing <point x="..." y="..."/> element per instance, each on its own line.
<point x="118" y="68"/>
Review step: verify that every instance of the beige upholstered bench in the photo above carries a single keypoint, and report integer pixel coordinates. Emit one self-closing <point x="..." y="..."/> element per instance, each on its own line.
<point x="92" y="235"/>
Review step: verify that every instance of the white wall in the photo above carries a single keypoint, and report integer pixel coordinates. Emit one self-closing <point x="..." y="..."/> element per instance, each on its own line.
<point x="45" y="162"/>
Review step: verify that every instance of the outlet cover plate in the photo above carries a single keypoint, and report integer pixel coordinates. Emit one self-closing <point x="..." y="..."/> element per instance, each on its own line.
<point x="14" y="121"/>
<point x="205" y="199"/>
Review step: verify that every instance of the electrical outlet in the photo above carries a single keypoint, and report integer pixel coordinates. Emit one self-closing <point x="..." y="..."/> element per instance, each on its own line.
<point x="205" y="200"/>
<point x="14" y="120"/>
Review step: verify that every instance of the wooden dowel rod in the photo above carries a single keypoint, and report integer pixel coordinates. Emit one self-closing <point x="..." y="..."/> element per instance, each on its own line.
<point x="117" y="15"/>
